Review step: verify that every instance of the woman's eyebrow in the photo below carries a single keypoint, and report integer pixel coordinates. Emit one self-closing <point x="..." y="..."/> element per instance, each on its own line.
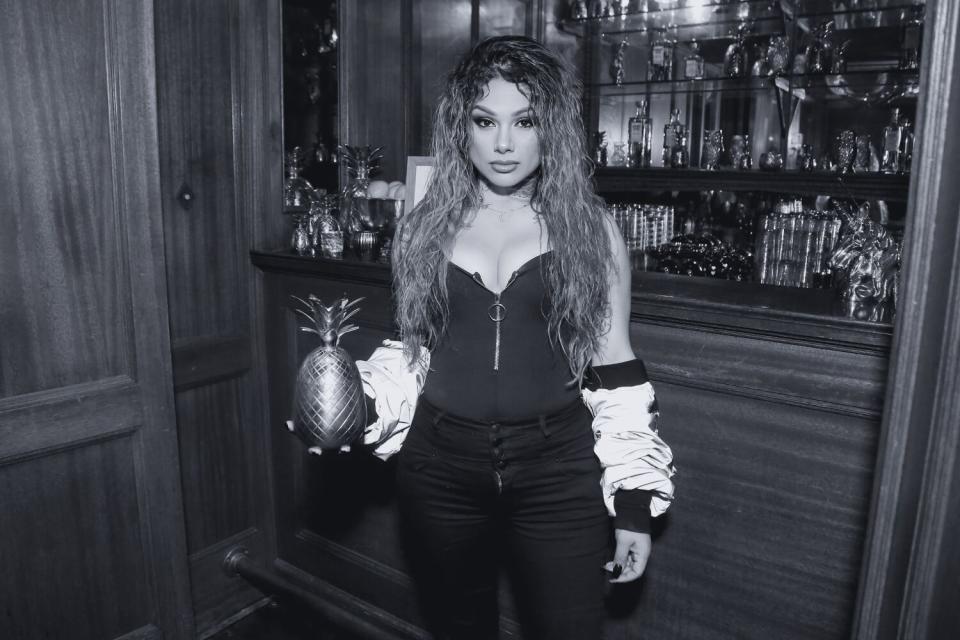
<point x="480" y="107"/>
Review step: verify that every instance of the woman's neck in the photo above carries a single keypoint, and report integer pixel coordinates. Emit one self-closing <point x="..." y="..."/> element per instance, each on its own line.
<point x="495" y="195"/>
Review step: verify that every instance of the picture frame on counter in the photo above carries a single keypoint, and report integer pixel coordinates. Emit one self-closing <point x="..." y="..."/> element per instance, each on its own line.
<point x="419" y="170"/>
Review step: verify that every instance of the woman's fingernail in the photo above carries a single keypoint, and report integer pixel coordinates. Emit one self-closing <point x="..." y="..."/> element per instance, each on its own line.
<point x="617" y="570"/>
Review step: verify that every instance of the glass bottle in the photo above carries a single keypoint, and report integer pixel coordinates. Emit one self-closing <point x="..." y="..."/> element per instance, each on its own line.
<point x="640" y="135"/>
<point x="679" y="155"/>
<point x="300" y="241"/>
<point x="906" y="146"/>
<point x="298" y="193"/>
<point x="619" y="157"/>
<point x="600" y="148"/>
<point x="746" y="159"/>
<point x="328" y="235"/>
<point x="712" y="149"/>
<point x="670" y="137"/>
<point x="298" y="197"/>
<point x="735" y="58"/>
<point x="660" y="64"/>
<point x="892" y="144"/>
<point x="911" y="38"/>
<point x="693" y="63"/>
<point x="820" y="51"/>
<point x="807" y="159"/>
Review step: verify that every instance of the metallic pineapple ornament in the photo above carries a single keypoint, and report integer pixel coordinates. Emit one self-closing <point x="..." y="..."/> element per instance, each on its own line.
<point x="329" y="411"/>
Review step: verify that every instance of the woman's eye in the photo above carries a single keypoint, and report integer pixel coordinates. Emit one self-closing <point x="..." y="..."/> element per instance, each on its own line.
<point x="483" y="123"/>
<point x="526" y="123"/>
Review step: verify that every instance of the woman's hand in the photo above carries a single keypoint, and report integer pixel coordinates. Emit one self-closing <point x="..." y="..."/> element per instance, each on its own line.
<point x="633" y="549"/>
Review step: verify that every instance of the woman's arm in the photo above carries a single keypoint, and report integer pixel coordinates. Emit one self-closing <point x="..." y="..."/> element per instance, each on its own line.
<point x="637" y="463"/>
<point x="391" y="386"/>
<point x="615" y="344"/>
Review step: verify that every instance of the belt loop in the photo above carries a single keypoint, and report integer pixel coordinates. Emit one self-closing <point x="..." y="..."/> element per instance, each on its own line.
<point x="543" y="425"/>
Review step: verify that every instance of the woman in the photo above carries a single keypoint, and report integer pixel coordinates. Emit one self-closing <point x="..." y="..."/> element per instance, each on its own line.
<point x="519" y="403"/>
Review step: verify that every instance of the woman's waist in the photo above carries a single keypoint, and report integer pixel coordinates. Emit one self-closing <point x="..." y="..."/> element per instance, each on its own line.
<point x="562" y="433"/>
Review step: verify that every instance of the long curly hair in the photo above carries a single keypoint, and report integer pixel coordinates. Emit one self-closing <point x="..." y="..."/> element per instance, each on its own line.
<point x="577" y="276"/>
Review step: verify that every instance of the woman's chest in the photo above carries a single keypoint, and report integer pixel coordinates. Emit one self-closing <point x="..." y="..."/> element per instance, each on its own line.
<point x="496" y="251"/>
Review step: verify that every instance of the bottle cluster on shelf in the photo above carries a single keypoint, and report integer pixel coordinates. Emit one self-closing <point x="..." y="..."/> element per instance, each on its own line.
<point x="643" y="226"/>
<point x="674" y="152"/>
<point x="820" y="51"/>
<point x="794" y="246"/>
<point x="852" y="151"/>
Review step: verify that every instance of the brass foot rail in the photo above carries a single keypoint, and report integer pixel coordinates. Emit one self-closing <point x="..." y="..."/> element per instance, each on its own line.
<point x="237" y="562"/>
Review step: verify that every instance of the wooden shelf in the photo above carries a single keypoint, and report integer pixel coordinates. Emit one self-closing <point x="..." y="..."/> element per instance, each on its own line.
<point x="622" y="180"/>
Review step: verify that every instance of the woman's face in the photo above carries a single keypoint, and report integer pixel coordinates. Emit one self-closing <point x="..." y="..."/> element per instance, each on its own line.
<point x="503" y="142"/>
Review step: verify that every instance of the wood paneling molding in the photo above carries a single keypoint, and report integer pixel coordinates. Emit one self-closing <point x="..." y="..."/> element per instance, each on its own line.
<point x="914" y="426"/>
<point x="49" y="421"/>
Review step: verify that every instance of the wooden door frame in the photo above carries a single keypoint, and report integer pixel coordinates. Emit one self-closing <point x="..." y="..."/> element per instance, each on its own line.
<point x="919" y="432"/>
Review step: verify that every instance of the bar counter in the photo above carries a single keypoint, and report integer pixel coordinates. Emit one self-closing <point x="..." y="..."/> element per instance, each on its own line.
<point x="772" y="409"/>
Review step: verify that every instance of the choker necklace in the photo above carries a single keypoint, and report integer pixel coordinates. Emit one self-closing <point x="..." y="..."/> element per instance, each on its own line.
<point x="503" y="212"/>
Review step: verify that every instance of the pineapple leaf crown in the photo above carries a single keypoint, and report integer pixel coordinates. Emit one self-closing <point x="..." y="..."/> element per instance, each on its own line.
<point x="328" y="321"/>
<point x="361" y="159"/>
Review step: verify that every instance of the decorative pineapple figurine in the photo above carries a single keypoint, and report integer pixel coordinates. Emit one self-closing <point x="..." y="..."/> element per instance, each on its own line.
<point x="329" y="411"/>
<point x="362" y="162"/>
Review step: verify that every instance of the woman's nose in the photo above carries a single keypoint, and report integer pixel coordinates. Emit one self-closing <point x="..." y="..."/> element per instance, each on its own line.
<point x="504" y="141"/>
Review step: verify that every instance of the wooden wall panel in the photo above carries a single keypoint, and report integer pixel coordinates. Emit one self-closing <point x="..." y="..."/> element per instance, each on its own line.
<point x="92" y="542"/>
<point x="767" y="531"/>
<point x="71" y="536"/>
<point x="220" y="152"/>
<point x="843" y="381"/>
<point x="215" y="460"/>
<point x="197" y="139"/>
<point x="445" y="34"/>
<point x="372" y="81"/>
<point x="64" y="312"/>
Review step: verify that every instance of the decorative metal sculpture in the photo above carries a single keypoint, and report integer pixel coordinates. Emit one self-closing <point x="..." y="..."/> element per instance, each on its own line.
<point x="866" y="265"/>
<point x="329" y="411"/>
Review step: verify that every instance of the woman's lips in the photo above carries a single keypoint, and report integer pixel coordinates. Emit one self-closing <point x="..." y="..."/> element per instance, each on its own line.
<point x="504" y="167"/>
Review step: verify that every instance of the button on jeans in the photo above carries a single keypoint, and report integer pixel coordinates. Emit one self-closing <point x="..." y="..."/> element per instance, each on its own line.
<point x="525" y="496"/>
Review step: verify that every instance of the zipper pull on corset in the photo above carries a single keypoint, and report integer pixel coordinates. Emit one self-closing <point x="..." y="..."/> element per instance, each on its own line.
<point x="497" y="312"/>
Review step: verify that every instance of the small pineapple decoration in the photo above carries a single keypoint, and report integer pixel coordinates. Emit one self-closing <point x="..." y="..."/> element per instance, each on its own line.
<point x="329" y="411"/>
<point x="362" y="162"/>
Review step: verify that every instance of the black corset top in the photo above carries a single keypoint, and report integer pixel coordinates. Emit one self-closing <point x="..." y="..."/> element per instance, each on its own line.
<point x="495" y="361"/>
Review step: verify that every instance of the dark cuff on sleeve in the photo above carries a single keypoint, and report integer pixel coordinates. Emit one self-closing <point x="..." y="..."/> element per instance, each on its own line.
<point x="633" y="510"/>
<point x="610" y="376"/>
<point x="372" y="414"/>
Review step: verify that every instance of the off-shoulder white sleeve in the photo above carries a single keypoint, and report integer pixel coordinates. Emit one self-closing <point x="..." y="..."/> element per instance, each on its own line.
<point x="631" y="452"/>
<point x="394" y="386"/>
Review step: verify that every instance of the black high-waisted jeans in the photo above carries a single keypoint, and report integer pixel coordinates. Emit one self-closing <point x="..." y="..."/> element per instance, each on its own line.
<point x="475" y="496"/>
